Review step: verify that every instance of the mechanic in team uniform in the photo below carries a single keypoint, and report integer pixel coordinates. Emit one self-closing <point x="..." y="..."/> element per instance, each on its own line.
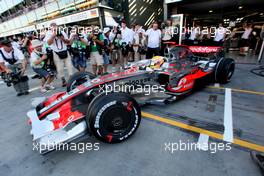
<point x="220" y="35"/>
<point x="13" y="62"/>
<point x="154" y="40"/>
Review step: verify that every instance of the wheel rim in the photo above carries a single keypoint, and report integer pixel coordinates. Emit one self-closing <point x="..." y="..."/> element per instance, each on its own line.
<point x="116" y="120"/>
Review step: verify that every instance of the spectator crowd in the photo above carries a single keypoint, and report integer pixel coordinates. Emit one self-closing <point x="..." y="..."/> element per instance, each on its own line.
<point x="53" y="50"/>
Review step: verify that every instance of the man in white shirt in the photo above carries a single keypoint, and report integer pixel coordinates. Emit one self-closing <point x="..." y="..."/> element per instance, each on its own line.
<point x="194" y="35"/>
<point x="244" y="43"/>
<point x="127" y="40"/>
<point x="154" y="41"/>
<point x="220" y="35"/>
<point x="58" y="40"/>
<point x="13" y="61"/>
<point x="139" y="43"/>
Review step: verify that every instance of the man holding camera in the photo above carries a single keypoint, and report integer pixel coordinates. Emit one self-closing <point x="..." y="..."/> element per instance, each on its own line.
<point x="38" y="58"/>
<point x="79" y="45"/>
<point x="13" y="65"/>
<point x="58" y="40"/>
<point x="96" y="44"/>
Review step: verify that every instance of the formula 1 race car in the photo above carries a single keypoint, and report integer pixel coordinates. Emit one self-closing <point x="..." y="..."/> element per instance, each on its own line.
<point x="108" y="106"/>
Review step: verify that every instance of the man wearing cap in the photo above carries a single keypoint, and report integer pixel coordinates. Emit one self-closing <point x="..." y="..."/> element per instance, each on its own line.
<point x="13" y="61"/>
<point x="58" y="40"/>
<point x="38" y="58"/>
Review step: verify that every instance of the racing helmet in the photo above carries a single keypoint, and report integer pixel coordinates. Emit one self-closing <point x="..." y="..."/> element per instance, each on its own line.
<point x="156" y="62"/>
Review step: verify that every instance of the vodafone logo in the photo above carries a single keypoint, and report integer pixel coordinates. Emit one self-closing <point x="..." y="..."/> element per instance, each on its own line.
<point x="200" y="49"/>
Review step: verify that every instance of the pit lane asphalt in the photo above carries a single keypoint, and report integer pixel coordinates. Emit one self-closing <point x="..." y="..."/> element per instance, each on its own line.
<point x="145" y="153"/>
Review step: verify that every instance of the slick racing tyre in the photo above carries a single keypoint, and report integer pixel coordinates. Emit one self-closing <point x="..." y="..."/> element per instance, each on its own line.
<point x="78" y="79"/>
<point x="224" y="70"/>
<point x="113" y="118"/>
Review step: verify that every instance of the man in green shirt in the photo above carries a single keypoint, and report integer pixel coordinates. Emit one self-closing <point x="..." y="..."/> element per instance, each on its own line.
<point x="78" y="50"/>
<point x="96" y="43"/>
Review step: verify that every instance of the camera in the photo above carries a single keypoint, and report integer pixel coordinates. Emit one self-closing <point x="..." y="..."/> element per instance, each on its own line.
<point x="10" y="78"/>
<point x="50" y="70"/>
<point x="124" y="49"/>
<point x="118" y="30"/>
<point x="58" y="33"/>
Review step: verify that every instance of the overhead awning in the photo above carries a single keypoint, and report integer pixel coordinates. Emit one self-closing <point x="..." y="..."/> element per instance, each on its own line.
<point x="88" y="14"/>
<point x="69" y="9"/>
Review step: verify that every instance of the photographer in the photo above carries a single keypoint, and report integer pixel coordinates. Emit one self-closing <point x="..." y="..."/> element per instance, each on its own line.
<point x="13" y="64"/>
<point x="26" y="46"/>
<point x="78" y="50"/>
<point x="96" y="44"/>
<point x="58" y="41"/>
<point x="37" y="60"/>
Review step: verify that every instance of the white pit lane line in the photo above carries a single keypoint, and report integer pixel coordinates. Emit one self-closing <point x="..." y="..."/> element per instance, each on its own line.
<point x="33" y="89"/>
<point x="228" y="117"/>
<point x="203" y="142"/>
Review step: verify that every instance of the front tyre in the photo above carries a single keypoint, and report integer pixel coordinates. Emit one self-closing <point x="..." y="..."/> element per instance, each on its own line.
<point x="224" y="70"/>
<point x="113" y="118"/>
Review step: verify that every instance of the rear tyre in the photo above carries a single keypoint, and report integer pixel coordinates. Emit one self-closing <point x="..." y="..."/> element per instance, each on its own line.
<point x="78" y="79"/>
<point x="113" y="118"/>
<point x="224" y="70"/>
